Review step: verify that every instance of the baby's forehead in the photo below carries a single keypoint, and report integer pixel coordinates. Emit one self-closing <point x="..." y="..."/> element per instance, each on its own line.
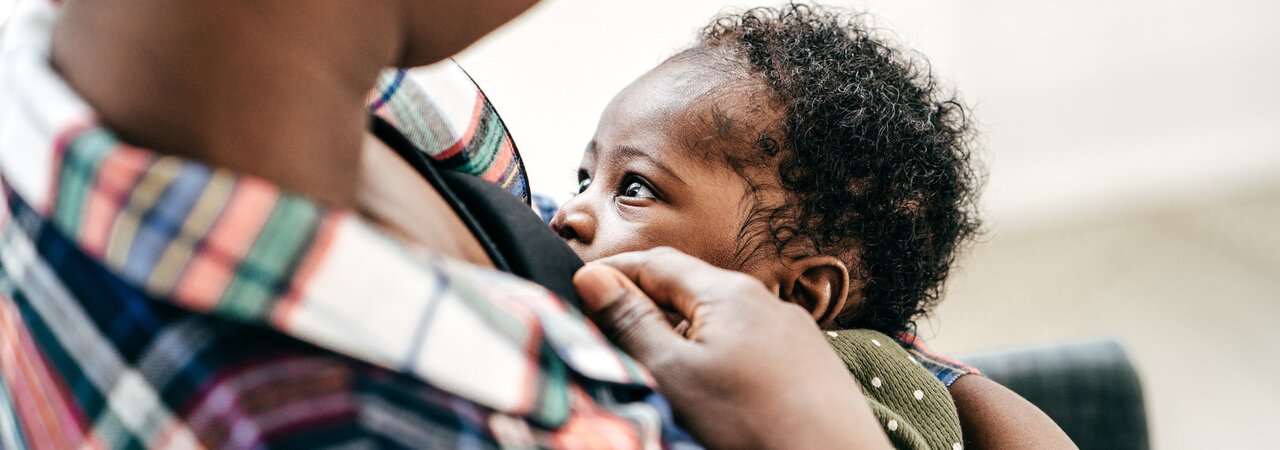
<point x="726" y="102"/>
<point x="699" y="110"/>
<point x="734" y="121"/>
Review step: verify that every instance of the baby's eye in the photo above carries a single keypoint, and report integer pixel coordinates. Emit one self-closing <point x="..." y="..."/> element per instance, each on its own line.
<point x="584" y="181"/>
<point x="635" y="187"/>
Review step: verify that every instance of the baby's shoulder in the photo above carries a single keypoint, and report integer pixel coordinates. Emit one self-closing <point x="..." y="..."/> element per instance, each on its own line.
<point x="913" y="406"/>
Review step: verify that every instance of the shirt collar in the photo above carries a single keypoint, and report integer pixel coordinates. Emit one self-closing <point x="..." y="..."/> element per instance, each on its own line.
<point x="236" y="246"/>
<point x="450" y="120"/>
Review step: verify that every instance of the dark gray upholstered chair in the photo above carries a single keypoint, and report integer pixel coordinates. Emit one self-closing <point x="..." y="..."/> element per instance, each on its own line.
<point x="1089" y="388"/>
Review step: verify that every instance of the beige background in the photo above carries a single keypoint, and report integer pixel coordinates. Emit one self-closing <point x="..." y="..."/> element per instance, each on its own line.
<point x="1134" y="158"/>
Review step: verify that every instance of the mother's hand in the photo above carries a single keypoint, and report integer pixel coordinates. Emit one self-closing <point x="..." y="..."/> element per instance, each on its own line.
<point x="750" y="371"/>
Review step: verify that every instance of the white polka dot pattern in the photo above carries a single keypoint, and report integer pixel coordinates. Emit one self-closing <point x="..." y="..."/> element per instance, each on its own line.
<point x="904" y="411"/>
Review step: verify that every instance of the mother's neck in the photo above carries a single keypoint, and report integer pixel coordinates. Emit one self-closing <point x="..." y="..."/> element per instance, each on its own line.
<point x="266" y="88"/>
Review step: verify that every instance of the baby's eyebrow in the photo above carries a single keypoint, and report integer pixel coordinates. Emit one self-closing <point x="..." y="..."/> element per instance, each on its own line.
<point x="632" y="153"/>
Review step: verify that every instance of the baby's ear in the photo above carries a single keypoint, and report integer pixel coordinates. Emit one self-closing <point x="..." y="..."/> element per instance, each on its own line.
<point x="819" y="283"/>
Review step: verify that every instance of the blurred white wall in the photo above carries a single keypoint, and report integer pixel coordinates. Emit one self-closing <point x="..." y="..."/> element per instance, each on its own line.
<point x="6" y="6"/>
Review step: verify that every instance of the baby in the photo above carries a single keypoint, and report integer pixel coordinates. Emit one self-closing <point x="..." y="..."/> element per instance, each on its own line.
<point x="798" y="146"/>
<point x="794" y="145"/>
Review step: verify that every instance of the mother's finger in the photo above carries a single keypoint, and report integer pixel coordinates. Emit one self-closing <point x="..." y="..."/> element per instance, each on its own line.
<point x="627" y="315"/>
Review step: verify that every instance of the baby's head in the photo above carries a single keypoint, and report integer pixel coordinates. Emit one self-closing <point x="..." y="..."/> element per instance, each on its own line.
<point x="794" y="145"/>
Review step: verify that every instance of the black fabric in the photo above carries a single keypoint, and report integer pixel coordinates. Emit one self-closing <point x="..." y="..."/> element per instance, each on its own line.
<point x="516" y="239"/>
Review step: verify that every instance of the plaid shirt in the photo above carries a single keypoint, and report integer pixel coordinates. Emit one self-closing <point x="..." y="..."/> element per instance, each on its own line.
<point x="152" y="301"/>
<point x="945" y="369"/>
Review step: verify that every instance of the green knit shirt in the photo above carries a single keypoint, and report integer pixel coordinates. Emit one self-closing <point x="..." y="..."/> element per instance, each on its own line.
<point x="914" y="408"/>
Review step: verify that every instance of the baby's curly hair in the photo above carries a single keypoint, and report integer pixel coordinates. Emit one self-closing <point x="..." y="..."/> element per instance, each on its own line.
<point x="873" y="158"/>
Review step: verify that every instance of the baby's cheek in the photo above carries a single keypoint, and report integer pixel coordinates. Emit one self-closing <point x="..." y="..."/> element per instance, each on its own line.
<point x="707" y="240"/>
<point x="704" y="242"/>
<point x="614" y="238"/>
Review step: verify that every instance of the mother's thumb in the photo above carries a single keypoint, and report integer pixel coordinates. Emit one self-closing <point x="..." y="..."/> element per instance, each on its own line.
<point x="626" y="314"/>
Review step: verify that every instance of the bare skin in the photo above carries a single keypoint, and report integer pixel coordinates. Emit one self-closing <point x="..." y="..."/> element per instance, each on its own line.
<point x="272" y="90"/>
<point x="392" y="194"/>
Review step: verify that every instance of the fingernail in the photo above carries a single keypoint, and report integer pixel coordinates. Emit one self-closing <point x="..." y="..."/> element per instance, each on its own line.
<point x="598" y="285"/>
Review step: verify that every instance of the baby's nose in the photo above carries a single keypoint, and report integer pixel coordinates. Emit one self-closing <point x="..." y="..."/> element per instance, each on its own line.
<point x="574" y="223"/>
<point x="565" y="231"/>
